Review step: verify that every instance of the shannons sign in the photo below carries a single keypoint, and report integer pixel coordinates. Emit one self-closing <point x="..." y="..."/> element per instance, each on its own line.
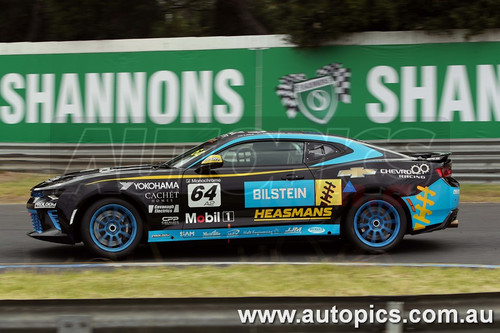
<point x="442" y="99"/>
<point x="161" y="97"/>
<point x="411" y="91"/>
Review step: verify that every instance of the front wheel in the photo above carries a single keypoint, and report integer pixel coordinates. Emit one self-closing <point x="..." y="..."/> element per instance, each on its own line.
<point x="376" y="224"/>
<point x="111" y="228"/>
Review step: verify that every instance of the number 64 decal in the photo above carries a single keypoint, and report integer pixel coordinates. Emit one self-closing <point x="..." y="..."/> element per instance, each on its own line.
<point x="204" y="195"/>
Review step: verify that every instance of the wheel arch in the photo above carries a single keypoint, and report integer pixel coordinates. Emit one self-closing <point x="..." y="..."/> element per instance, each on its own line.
<point x="358" y="196"/>
<point x="87" y="202"/>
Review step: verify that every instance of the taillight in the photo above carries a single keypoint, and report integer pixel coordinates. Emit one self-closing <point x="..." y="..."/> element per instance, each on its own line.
<point x="444" y="171"/>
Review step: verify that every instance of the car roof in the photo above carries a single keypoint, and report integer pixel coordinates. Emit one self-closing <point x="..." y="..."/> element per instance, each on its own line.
<point x="300" y="135"/>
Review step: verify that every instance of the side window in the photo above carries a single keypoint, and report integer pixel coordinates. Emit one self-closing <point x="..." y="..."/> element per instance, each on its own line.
<point x="319" y="151"/>
<point x="239" y="155"/>
<point x="264" y="153"/>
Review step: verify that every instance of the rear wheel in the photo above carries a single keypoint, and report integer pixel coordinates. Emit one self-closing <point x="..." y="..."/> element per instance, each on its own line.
<point x="376" y="224"/>
<point x="111" y="228"/>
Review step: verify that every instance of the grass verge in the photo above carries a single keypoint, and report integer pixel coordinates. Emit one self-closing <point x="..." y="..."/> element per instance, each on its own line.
<point x="15" y="186"/>
<point x="246" y="281"/>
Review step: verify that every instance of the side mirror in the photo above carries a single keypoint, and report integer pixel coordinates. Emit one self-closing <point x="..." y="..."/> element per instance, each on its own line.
<point x="212" y="162"/>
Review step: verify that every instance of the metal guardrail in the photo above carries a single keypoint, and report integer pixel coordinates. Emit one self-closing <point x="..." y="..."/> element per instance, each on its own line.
<point x="474" y="160"/>
<point x="221" y="314"/>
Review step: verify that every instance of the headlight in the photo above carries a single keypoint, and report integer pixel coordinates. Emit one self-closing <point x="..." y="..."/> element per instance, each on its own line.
<point x="45" y="199"/>
<point x="53" y="194"/>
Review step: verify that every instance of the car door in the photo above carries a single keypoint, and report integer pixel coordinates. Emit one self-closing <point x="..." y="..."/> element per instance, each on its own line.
<point x="261" y="184"/>
<point x="329" y="187"/>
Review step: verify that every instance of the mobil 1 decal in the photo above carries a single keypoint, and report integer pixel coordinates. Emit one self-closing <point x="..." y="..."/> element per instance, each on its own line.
<point x="204" y="195"/>
<point x="300" y="193"/>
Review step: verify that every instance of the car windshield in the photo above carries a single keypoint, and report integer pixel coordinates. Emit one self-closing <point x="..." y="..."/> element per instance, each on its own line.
<point x="185" y="159"/>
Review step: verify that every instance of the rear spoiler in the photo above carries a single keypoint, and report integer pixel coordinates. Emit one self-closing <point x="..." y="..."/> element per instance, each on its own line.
<point x="431" y="157"/>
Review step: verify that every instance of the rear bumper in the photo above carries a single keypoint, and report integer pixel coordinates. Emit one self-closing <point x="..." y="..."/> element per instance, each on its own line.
<point x="451" y="221"/>
<point x="435" y="207"/>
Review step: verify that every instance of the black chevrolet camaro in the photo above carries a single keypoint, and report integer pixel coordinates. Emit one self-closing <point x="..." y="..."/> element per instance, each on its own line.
<point x="250" y="185"/>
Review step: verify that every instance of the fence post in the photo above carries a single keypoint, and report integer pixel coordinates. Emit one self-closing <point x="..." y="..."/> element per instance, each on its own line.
<point x="395" y="327"/>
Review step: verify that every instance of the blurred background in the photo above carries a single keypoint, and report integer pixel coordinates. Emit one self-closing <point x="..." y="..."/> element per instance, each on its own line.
<point x="308" y="23"/>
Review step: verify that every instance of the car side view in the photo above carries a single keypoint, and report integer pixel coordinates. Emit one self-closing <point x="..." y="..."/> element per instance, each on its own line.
<point x="252" y="185"/>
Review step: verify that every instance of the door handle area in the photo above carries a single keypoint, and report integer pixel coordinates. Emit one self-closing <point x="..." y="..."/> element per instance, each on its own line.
<point x="292" y="177"/>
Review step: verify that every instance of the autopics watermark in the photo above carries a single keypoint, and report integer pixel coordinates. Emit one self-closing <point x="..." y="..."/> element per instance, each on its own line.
<point x="370" y="316"/>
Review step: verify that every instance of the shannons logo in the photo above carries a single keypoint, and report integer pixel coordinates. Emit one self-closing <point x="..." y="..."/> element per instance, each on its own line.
<point x="316" y="230"/>
<point x="316" y="98"/>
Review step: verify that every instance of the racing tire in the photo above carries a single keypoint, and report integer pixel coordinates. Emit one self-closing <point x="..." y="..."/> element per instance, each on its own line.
<point x="111" y="228"/>
<point x="376" y="223"/>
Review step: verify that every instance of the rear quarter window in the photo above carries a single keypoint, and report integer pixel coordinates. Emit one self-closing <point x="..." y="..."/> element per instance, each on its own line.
<point x="320" y="151"/>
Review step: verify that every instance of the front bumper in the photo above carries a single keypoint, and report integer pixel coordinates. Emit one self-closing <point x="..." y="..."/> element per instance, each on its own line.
<point x="52" y="235"/>
<point x="48" y="227"/>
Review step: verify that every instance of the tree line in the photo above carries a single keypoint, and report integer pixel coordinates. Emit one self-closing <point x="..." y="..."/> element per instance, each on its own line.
<point x="309" y="23"/>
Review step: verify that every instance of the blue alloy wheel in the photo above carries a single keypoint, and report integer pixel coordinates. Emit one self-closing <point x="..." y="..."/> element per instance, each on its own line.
<point x="113" y="228"/>
<point x="377" y="223"/>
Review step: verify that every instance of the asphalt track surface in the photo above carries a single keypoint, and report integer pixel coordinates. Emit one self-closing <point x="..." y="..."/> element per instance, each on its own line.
<point x="475" y="242"/>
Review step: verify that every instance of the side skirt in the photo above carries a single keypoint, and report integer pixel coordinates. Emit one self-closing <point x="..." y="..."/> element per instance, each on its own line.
<point x="246" y="232"/>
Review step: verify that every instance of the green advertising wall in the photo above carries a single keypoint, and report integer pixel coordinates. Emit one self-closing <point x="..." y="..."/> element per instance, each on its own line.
<point x="398" y="91"/>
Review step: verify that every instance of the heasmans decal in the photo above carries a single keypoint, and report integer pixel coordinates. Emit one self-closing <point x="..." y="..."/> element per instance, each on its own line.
<point x="288" y="214"/>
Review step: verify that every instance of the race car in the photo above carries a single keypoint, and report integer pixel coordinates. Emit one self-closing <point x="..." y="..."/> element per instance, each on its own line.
<point x="251" y="185"/>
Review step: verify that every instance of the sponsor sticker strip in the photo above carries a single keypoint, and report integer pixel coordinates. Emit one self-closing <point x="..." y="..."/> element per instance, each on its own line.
<point x="248" y="232"/>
